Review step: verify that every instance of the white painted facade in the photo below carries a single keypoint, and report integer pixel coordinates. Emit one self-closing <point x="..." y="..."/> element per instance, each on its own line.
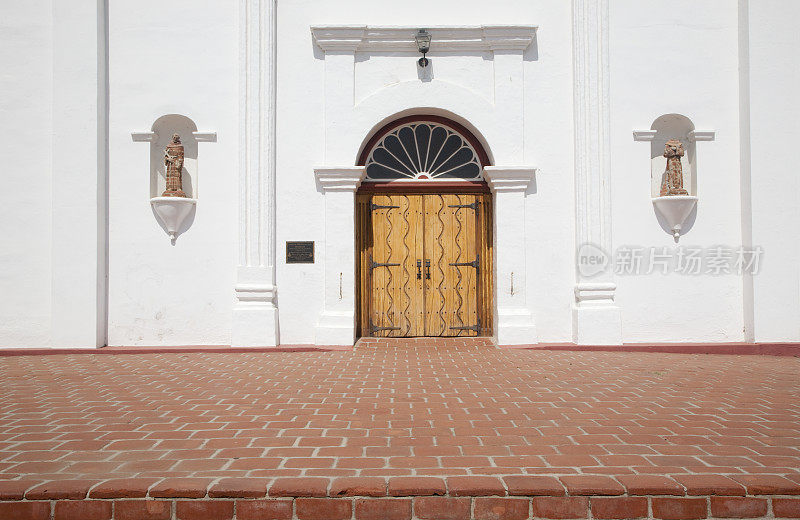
<point x="275" y="99"/>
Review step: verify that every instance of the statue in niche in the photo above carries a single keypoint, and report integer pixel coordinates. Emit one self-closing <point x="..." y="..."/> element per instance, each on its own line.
<point x="173" y="160"/>
<point x="672" y="181"/>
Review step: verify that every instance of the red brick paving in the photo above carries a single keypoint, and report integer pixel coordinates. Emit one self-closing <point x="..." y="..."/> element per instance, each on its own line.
<point x="240" y="426"/>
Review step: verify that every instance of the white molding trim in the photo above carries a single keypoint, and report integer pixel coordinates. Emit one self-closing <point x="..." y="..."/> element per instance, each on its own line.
<point x="509" y="178"/>
<point x="346" y="178"/>
<point x="644" y="135"/>
<point x="443" y="38"/>
<point x="205" y="137"/>
<point x="144" y="137"/>
<point x="599" y="291"/>
<point x="152" y="137"/>
<point x="255" y="315"/>
<point x="693" y="136"/>
<point x="701" y="135"/>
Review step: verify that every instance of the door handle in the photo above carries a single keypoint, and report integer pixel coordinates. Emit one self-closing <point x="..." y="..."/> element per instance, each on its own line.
<point x="427" y="269"/>
<point x="419" y="269"/>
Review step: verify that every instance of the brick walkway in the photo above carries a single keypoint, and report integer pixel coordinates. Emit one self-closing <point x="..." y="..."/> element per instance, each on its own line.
<point x="671" y="424"/>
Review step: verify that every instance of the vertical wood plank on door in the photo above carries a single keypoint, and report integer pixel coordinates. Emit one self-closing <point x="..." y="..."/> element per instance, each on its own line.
<point x="394" y="274"/>
<point x="434" y="275"/>
<point x="384" y="229"/>
<point x="454" y="238"/>
<point x="463" y="279"/>
<point x="415" y="289"/>
<point x="486" y="281"/>
<point x="378" y="316"/>
<point x="363" y="252"/>
<point x="451" y="247"/>
<point x="469" y="285"/>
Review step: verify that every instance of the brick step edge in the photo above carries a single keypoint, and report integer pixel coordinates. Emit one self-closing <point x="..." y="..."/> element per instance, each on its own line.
<point x="407" y="508"/>
<point x="459" y="486"/>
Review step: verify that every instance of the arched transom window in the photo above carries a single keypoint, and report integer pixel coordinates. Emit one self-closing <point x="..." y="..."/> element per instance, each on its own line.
<point x="423" y="150"/>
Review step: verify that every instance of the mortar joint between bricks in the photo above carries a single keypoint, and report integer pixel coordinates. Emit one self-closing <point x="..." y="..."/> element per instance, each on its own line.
<point x="770" y="512"/>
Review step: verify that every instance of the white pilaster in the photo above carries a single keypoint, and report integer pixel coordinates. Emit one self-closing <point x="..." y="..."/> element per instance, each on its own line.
<point x="337" y="323"/>
<point x="80" y="144"/>
<point x="514" y="324"/>
<point x="255" y="315"/>
<point x="596" y="317"/>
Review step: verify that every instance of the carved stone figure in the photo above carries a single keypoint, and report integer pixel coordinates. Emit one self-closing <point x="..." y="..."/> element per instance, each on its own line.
<point x="173" y="160"/>
<point x="672" y="181"/>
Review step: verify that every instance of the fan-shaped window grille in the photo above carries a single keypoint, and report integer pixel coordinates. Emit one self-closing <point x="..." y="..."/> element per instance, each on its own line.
<point x="423" y="150"/>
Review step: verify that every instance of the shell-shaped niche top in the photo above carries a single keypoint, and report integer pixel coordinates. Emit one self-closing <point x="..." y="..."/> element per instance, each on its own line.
<point x="423" y="151"/>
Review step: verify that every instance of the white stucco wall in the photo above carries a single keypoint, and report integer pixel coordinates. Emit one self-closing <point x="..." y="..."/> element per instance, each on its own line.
<point x="774" y="83"/>
<point x="550" y="205"/>
<point x="25" y="198"/>
<point x="159" y="293"/>
<point x="663" y="62"/>
<point x="727" y="67"/>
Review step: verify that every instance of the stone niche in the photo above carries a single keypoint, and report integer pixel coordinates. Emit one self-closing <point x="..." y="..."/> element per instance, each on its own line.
<point x="666" y="127"/>
<point x="676" y="213"/>
<point x="163" y="128"/>
<point x="174" y="214"/>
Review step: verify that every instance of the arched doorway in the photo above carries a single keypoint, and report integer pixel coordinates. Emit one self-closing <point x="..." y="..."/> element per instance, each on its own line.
<point x="424" y="232"/>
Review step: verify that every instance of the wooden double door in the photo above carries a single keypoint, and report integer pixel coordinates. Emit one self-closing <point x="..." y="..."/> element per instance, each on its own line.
<point x="425" y="264"/>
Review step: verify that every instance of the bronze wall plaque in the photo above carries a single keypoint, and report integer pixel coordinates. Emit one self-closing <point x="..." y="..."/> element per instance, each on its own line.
<point x="300" y="252"/>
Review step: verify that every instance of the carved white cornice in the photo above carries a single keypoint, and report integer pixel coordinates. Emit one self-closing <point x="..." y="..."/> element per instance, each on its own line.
<point x="450" y="38"/>
<point x="340" y="179"/>
<point x="509" y="178"/>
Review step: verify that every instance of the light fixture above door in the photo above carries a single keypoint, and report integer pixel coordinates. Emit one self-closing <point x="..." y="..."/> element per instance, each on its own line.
<point x="423" y="39"/>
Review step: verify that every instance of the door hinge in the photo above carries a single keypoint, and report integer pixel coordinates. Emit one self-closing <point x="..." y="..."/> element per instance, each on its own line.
<point x="475" y="263"/>
<point x="473" y="205"/>
<point x="476" y="328"/>
<point x="373" y="328"/>
<point x="374" y="206"/>
<point x="375" y="264"/>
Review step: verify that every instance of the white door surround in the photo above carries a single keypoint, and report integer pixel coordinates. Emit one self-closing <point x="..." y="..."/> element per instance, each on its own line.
<point x="514" y="322"/>
<point x="337" y="323"/>
<point x="349" y="118"/>
<point x="349" y="124"/>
